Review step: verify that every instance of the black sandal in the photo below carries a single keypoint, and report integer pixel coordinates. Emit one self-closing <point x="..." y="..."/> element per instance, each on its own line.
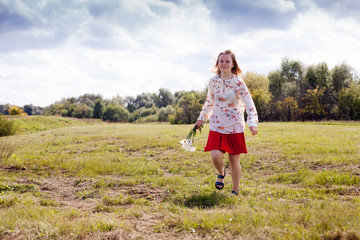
<point x="235" y="193"/>
<point x="217" y="184"/>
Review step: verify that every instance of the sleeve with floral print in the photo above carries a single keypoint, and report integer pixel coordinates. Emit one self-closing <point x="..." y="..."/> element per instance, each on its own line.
<point x="243" y="91"/>
<point x="208" y="106"/>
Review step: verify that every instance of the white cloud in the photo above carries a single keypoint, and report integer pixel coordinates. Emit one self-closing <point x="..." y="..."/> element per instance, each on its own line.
<point x="104" y="35"/>
<point x="94" y="49"/>
<point x="314" y="37"/>
<point x="326" y="39"/>
<point x="279" y="5"/>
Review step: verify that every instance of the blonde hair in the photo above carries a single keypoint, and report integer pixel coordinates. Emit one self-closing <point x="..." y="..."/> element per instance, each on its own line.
<point x="235" y="70"/>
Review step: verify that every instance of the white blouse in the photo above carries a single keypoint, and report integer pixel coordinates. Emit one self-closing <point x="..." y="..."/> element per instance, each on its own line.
<point x="225" y="104"/>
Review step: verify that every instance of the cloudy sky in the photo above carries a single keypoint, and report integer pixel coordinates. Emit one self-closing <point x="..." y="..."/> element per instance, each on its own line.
<point x="54" y="49"/>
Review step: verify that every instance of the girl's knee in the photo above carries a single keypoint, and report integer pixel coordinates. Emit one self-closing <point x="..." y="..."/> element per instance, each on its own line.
<point x="233" y="157"/>
<point x="216" y="153"/>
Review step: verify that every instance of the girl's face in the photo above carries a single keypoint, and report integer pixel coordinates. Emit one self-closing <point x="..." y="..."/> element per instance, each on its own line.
<point x="225" y="63"/>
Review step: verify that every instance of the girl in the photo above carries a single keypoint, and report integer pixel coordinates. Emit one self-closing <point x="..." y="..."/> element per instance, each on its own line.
<point x="226" y="100"/>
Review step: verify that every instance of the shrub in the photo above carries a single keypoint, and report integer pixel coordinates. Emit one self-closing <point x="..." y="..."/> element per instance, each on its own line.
<point x="143" y="112"/>
<point x="165" y="112"/>
<point x="116" y="114"/>
<point x="150" y="118"/>
<point x="7" y="127"/>
<point x="83" y="111"/>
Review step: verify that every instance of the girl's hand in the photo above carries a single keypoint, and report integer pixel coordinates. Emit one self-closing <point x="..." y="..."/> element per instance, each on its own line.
<point x="254" y="130"/>
<point x="198" y="123"/>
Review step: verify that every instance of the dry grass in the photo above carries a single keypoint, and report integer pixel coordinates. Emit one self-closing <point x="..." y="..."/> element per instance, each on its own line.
<point x="6" y="148"/>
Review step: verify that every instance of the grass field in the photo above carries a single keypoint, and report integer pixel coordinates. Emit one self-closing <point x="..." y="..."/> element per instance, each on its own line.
<point x="132" y="181"/>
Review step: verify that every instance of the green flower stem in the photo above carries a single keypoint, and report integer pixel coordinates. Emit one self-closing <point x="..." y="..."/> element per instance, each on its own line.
<point x="192" y="132"/>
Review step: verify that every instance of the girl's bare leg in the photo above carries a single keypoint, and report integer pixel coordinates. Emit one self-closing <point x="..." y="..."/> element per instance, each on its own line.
<point x="236" y="171"/>
<point x="217" y="159"/>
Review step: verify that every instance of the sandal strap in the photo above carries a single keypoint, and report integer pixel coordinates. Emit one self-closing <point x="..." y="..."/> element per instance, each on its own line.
<point x="236" y="193"/>
<point x="222" y="176"/>
<point x="219" y="185"/>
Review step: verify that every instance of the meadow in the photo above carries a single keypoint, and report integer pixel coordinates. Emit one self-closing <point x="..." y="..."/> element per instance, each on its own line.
<point x="95" y="180"/>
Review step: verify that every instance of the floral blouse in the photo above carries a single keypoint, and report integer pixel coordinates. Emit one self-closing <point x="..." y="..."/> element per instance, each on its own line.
<point x="225" y="104"/>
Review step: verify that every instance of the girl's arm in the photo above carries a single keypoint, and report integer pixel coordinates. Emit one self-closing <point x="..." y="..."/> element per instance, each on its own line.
<point x="252" y="116"/>
<point x="208" y="106"/>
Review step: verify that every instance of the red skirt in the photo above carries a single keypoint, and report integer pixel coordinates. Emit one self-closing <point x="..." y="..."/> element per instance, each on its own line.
<point x="230" y="143"/>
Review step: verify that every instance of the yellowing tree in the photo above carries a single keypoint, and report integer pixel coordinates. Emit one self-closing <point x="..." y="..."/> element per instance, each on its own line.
<point x="14" y="110"/>
<point x="288" y="108"/>
<point x="314" y="109"/>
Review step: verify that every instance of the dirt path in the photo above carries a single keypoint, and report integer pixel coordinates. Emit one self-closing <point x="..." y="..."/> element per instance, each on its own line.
<point x="69" y="193"/>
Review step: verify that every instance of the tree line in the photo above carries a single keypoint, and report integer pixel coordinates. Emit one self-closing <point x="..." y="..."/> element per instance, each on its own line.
<point x="300" y="93"/>
<point x="293" y="92"/>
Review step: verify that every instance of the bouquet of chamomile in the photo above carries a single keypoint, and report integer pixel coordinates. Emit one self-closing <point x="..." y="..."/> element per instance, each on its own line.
<point x="187" y="143"/>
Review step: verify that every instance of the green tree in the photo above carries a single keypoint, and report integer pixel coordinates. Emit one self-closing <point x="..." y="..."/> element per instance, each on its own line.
<point x="311" y="78"/>
<point x="164" y="98"/>
<point x="33" y="110"/>
<point x="116" y="113"/>
<point x="54" y="109"/>
<point x="130" y="103"/>
<point x="98" y="109"/>
<point x="29" y="109"/>
<point x="318" y="76"/>
<point x="145" y="100"/>
<point x="288" y="80"/>
<point x="341" y="76"/>
<point x="276" y="81"/>
<point x="293" y="72"/>
<point x="179" y="94"/>
<point x="88" y="99"/>
<point x="117" y="100"/>
<point x="188" y="108"/>
<point x="69" y="108"/>
<point x="4" y="109"/>
<point x="349" y="102"/>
